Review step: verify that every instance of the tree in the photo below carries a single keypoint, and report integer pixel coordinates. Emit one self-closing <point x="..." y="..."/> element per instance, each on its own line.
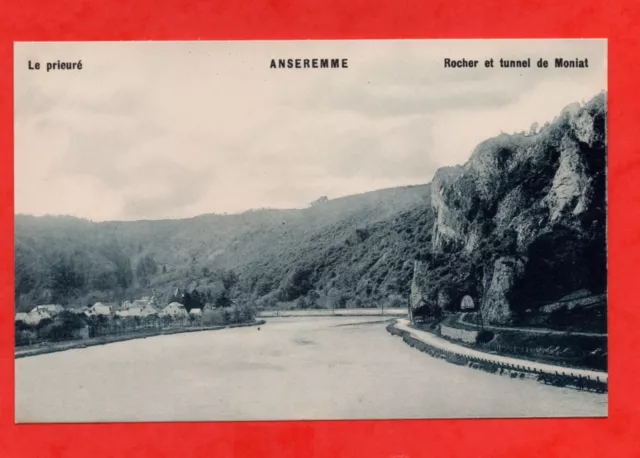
<point x="297" y="283"/>
<point x="146" y="268"/>
<point x="229" y="279"/>
<point x="312" y="299"/>
<point x="25" y="275"/>
<point x="193" y="300"/>
<point x="262" y="286"/>
<point x="534" y="128"/>
<point x="64" y="326"/>
<point x="223" y="300"/>
<point x="319" y="201"/>
<point x="336" y="299"/>
<point x="65" y="279"/>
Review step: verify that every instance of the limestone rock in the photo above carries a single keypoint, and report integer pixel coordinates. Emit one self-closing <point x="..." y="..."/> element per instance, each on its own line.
<point x="444" y="299"/>
<point x="449" y="227"/>
<point x="569" y="190"/>
<point x="417" y="293"/>
<point x="496" y="308"/>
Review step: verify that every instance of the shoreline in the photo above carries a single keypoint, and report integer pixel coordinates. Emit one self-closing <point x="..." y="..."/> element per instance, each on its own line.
<point x="391" y="313"/>
<point x="499" y="364"/>
<point x="104" y="340"/>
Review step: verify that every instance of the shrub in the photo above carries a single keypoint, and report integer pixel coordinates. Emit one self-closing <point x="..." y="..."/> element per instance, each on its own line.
<point x="484" y="336"/>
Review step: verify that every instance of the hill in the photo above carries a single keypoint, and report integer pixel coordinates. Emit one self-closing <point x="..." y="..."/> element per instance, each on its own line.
<point x="519" y="225"/>
<point x="74" y="261"/>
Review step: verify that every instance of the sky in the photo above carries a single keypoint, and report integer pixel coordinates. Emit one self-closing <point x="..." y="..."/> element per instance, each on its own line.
<point x="155" y="130"/>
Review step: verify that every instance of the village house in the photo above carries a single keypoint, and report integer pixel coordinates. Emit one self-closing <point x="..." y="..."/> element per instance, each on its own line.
<point x="99" y="309"/>
<point x="39" y="313"/>
<point x="128" y="312"/>
<point x="149" y="310"/>
<point x="139" y="303"/>
<point x="126" y="305"/>
<point x="143" y="311"/>
<point x="21" y="316"/>
<point x="175" y="310"/>
<point x="34" y="317"/>
<point x="51" y="309"/>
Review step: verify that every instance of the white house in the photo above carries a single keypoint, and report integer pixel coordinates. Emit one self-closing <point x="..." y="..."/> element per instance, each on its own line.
<point x="127" y="312"/>
<point x="99" y="309"/>
<point x="140" y="303"/>
<point x="174" y="310"/>
<point x="148" y="310"/>
<point x="35" y="316"/>
<point x="126" y="305"/>
<point x="195" y="312"/>
<point x="144" y="311"/>
<point x="51" y="309"/>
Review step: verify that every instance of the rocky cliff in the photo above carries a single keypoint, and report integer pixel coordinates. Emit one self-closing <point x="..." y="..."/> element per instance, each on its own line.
<point x="523" y="221"/>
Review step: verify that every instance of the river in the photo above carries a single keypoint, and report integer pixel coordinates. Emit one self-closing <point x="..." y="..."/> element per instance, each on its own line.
<point x="290" y="369"/>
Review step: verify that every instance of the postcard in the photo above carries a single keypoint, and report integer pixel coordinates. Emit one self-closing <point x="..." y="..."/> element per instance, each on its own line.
<point x="310" y="230"/>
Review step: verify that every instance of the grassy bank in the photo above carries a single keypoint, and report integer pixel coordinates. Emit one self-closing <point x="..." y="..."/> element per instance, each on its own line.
<point x="41" y="349"/>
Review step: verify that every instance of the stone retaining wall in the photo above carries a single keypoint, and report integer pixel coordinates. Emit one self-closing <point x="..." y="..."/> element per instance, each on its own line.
<point x="458" y="334"/>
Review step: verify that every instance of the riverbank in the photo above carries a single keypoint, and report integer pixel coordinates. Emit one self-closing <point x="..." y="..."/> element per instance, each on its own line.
<point x="53" y="347"/>
<point x="546" y="373"/>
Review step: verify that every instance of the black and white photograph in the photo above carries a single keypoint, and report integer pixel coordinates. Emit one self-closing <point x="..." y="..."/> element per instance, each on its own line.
<point x="310" y="230"/>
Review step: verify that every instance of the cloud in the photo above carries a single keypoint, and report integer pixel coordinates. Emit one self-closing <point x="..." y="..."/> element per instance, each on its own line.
<point x="166" y="130"/>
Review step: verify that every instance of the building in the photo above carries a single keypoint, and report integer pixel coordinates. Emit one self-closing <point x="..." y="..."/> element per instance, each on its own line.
<point x="99" y="309"/>
<point x="21" y="316"/>
<point x="149" y="310"/>
<point x="34" y="317"/>
<point x="51" y="309"/>
<point x="126" y="305"/>
<point x="140" y="303"/>
<point x="141" y="311"/>
<point x="175" y="310"/>
<point x="195" y="312"/>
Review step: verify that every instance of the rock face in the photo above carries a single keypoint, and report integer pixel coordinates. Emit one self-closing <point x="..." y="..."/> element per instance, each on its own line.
<point x="571" y="184"/>
<point x="417" y="294"/>
<point x="521" y="217"/>
<point x="449" y="228"/>
<point x="497" y="306"/>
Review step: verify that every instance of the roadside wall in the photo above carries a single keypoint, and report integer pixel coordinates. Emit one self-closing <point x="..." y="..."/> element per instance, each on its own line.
<point x="458" y="334"/>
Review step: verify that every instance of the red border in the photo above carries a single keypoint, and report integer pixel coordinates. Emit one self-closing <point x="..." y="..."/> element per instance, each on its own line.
<point x="76" y="20"/>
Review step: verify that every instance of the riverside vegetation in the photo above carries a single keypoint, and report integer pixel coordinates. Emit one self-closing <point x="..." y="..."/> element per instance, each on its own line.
<point x="518" y="227"/>
<point x="70" y="325"/>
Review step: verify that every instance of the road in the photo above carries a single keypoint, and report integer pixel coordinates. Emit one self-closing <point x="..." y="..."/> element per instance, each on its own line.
<point x="290" y="369"/>
<point x="444" y="344"/>
<point x="462" y="319"/>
